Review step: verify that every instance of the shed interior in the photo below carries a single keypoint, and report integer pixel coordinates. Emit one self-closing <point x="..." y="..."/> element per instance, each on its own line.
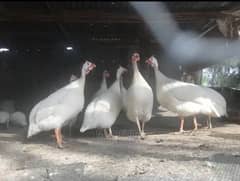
<point x="37" y="34"/>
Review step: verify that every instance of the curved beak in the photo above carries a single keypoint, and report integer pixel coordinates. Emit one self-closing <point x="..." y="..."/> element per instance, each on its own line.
<point x="93" y="65"/>
<point x="90" y="68"/>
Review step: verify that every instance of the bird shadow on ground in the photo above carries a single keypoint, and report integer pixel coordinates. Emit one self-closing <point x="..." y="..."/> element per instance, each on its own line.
<point x="127" y="146"/>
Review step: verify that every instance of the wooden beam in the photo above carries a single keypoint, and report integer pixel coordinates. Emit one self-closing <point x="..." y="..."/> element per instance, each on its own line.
<point x="97" y="16"/>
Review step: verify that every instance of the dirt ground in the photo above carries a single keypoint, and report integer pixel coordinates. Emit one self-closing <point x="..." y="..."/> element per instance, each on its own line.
<point x="164" y="155"/>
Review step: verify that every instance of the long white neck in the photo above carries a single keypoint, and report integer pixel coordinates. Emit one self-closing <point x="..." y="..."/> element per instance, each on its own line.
<point x="82" y="79"/>
<point x="135" y="67"/>
<point x="136" y="72"/>
<point x="116" y="84"/>
<point x="160" y="78"/>
<point x="104" y="83"/>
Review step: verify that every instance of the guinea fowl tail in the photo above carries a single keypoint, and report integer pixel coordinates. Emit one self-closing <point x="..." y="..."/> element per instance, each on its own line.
<point x="32" y="130"/>
<point x="83" y="129"/>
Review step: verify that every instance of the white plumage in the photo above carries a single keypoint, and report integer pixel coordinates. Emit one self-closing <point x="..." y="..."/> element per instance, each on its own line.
<point x="73" y="77"/>
<point x="138" y="98"/>
<point x="103" y="111"/>
<point x="186" y="99"/>
<point x="4" y="118"/>
<point x="123" y="91"/>
<point x="57" y="109"/>
<point x="103" y="86"/>
<point x="18" y="118"/>
<point x="74" y="119"/>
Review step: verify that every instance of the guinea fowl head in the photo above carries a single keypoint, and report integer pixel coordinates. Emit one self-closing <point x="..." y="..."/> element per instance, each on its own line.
<point x="152" y="61"/>
<point x="88" y="67"/>
<point x="135" y="57"/>
<point x="106" y="74"/>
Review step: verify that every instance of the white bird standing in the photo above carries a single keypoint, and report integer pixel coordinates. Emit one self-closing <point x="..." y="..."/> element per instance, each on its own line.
<point x="187" y="99"/>
<point x="103" y="86"/>
<point x="103" y="111"/>
<point x="138" y="98"/>
<point x="57" y="109"/>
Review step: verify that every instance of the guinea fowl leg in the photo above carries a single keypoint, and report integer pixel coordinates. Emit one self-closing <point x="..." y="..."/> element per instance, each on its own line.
<point x="209" y="122"/>
<point x="110" y="132"/>
<point x="105" y="133"/>
<point x="181" y="125"/>
<point x="195" y="123"/>
<point x="139" y="129"/>
<point x="143" y="123"/>
<point x="58" y="138"/>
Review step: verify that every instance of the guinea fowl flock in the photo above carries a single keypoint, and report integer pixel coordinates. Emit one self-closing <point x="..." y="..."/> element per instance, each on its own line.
<point x="63" y="106"/>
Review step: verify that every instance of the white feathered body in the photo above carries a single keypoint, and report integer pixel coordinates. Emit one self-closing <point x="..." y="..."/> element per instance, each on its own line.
<point x="138" y="101"/>
<point x="18" y="118"/>
<point x="102" y="88"/>
<point x="103" y="111"/>
<point x="58" y="109"/>
<point x="188" y="99"/>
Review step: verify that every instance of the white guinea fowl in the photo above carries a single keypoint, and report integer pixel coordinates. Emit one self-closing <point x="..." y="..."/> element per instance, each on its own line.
<point x="186" y="99"/>
<point x="138" y="98"/>
<point x="103" y="86"/>
<point x="60" y="107"/>
<point x="18" y="118"/>
<point x="4" y="118"/>
<point x="103" y="111"/>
